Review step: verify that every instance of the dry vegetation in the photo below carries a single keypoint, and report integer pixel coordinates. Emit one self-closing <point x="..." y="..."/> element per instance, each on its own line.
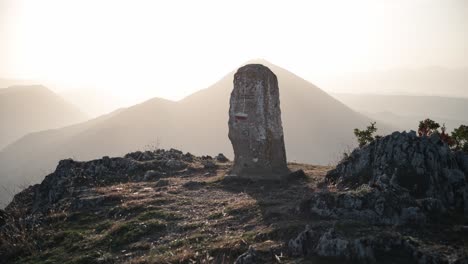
<point x="195" y="218"/>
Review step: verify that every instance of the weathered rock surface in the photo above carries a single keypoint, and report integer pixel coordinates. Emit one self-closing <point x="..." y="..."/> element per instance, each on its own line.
<point x="3" y="217"/>
<point x="400" y="181"/>
<point x="424" y="167"/>
<point x="248" y="257"/>
<point x="370" y="248"/>
<point x="73" y="177"/>
<point x="143" y="209"/>
<point x="391" y="207"/>
<point x="221" y="158"/>
<point x="303" y="244"/>
<point x="255" y="127"/>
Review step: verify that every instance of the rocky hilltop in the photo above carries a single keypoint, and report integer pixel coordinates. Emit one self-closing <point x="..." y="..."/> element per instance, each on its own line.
<point x="400" y="199"/>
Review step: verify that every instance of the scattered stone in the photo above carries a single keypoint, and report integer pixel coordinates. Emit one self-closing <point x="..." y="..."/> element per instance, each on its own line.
<point x="255" y="127"/>
<point x="162" y="183"/>
<point x="208" y="164"/>
<point x="365" y="249"/>
<point x="365" y="204"/>
<point x="432" y="206"/>
<point x="412" y="216"/>
<point x="221" y="158"/>
<point x="249" y="257"/>
<point x="193" y="185"/>
<point x="140" y="156"/>
<point x="302" y="244"/>
<point x="188" y="157"/>
<point x="151" y="175"/>
<point x="299" y="174"/>
<point x="3" y="217"/>
<point x="329" y="245"/>
<point x="70" y="177"/>
<point x="175" y="165"/>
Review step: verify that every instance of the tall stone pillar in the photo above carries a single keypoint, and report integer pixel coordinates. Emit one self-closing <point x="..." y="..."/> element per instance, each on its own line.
<point x="255" y="128"/>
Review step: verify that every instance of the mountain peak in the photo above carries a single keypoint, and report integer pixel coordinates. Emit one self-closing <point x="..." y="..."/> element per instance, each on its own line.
<point x="25" y="88"/>
<point x="260" y="61"/>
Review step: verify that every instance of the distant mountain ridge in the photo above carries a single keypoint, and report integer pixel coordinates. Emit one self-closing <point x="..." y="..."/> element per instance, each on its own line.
<point x="5" y="83"/>
<point x="317" y="129"/>
<point x="431" y="81"/>
<point x="31" y="108"/>
<point x="405" y="111"/>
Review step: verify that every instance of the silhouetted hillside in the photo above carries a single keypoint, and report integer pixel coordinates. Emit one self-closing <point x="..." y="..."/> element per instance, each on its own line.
<point x="425" y="81"/>
<point x="317" y="129"/>
<point x="4" y="83"/>
<point x="26" y="109"/>
<point x="93" y="102"/>
<point x="405" y="112"/>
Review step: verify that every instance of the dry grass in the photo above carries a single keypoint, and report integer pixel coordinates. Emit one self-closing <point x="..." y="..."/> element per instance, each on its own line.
<point x="213" y="222"/>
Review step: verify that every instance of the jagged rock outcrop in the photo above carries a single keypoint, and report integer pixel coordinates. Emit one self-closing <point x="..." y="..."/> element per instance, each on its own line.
<point x="303" y="244"/>
<point x="371" y="248"/>
<point x="121" y="210"/>
<point x="221" y="158"/>
<point x="249" y="257"/>
<point x="424" y="167"/>
<point x="397" y="182"/>
<point x="60" y="189"/>
<point x="391" y="207"/>
<point x="3" y="217"/>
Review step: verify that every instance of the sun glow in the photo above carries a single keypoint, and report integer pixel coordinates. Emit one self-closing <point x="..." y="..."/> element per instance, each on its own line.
<point x="139" y="49"/>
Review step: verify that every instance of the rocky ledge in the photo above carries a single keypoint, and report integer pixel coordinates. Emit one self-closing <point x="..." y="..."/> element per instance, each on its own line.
<point x="418" y="171"/>
<point x="401" y="199"/>
<point x="398" y="182"/>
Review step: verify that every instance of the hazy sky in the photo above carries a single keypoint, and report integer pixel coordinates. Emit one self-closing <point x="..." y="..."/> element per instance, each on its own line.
<point x="139" y="49"/>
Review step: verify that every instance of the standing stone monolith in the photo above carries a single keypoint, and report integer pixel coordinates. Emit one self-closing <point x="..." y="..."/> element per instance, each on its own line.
<point x="255" y="128"/>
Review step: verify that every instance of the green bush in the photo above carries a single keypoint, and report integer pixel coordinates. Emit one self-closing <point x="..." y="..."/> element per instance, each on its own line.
<point x="457" y="140"/>
<point x="460" y="138"/>
<point x="366" y="136"/>
<point x="427" y="127"/>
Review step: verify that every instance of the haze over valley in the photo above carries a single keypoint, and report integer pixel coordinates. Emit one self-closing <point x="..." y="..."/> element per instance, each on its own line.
<point x="196" y="124"/>
<point x="32" y="108"/>
<point x="244" y="132"/>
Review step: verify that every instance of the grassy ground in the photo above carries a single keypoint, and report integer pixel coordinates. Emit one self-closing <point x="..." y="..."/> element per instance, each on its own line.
<point x="190" y="218"/>
<point x="195" y="218"/>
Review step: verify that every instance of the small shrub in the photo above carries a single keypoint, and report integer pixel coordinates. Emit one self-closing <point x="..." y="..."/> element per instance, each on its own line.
<point x="427" y="127"/>
<point x="460" y="138"/>
<point x="366" y="136"/>
<point x="446" y="137"/>
<point x="456" y="141"/>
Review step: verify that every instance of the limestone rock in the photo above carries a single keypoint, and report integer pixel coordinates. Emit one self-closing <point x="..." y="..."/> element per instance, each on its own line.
<point x="151" y="175"/>
<point x="162" y="183"/>
<point x="329" y="245"/>
<point x="248" y="257"/>
<point x="363" y="204"/>
<point x="59" y="189"/>
<point x="369" y="248"/>
<point x="255" y="127"/>
<point x="209" y="164"/>
<point x="3" y="217"/>
<point x="174" y="164"/>
<point x="424" y="166"/>
<point x="221" y="158"/>
<point x="302" y="244"/>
